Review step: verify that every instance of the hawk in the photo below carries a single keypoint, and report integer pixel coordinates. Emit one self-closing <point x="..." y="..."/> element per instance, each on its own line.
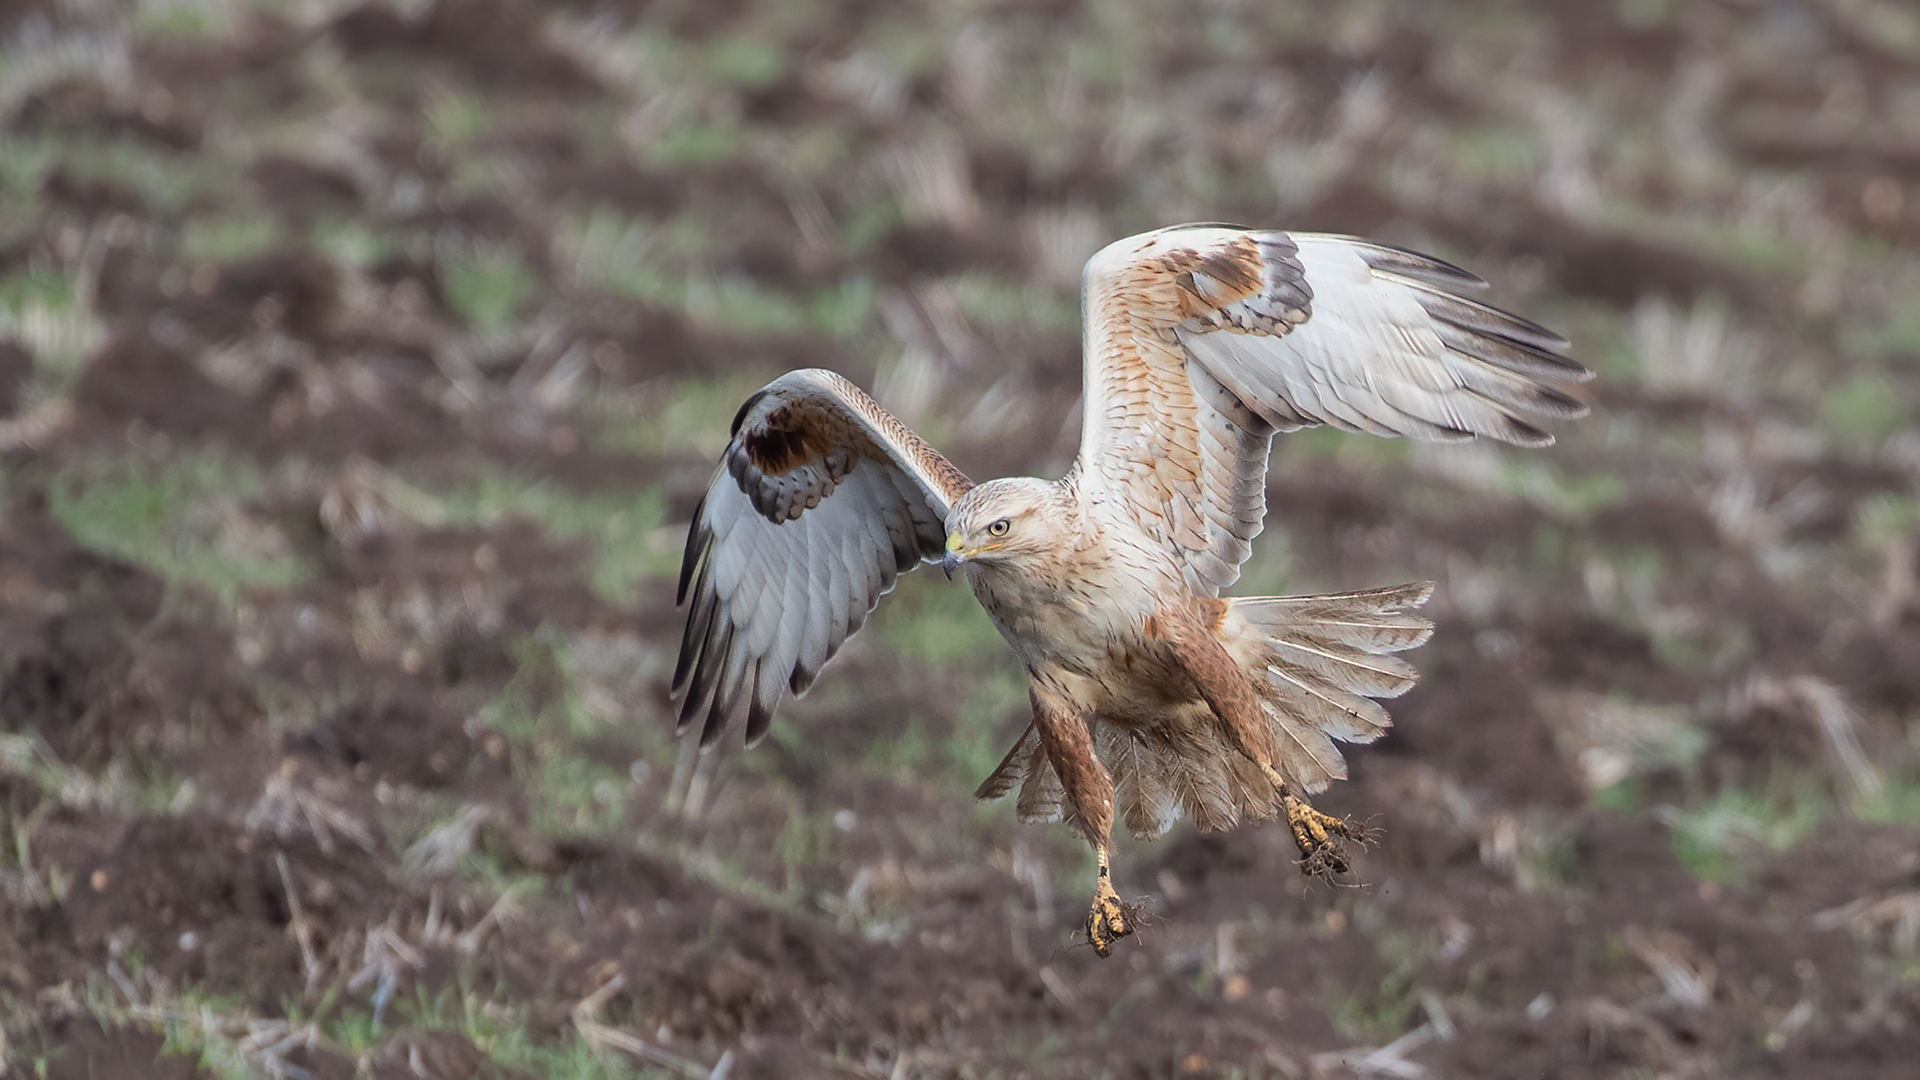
<point x="1153" y="696"/>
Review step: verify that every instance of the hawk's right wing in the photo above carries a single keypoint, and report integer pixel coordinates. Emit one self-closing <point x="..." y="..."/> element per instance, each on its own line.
<point x="822" y="499"/>
<point x="1204" y="340"/>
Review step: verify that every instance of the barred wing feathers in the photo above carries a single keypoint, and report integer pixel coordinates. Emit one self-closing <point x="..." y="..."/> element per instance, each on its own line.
<point x="822" y="500"/>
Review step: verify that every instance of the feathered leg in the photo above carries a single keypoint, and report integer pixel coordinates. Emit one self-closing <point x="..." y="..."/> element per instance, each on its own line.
<point x="1069" y="745"/>
<point x="1230" y="694"/>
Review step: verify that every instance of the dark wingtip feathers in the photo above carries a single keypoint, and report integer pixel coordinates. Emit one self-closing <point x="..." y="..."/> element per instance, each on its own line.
<point x="701" y="687"/>
<point x="1393" y="260"/>
<point x="725" y="705"/>
<point x="759" y="719"/>
<point x="1520" y="433"/>
<point x="1479" y="330"/>
<point x="698" y="538"/>
<point x="1498" y="339"/>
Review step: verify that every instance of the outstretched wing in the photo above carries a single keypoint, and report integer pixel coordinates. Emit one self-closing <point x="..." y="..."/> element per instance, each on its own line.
<point x="822" y="499"/>
<point x="1203" y="340"/>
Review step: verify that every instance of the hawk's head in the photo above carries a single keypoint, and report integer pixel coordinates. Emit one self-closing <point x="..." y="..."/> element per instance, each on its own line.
<point x="1004" y="522"/>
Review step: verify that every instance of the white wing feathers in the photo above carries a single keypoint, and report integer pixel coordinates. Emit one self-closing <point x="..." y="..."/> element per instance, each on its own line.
<point x="822" y="499"/>
<point x="1202" y="341"/>
<point x="1386" y="350"/>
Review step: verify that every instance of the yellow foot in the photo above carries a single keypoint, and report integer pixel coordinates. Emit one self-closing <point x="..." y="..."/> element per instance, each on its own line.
<point x="1109" y="920"/>
<point x="1320" y="836"/>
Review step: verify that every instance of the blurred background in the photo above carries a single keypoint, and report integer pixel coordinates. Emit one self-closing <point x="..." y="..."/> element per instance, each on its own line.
<point x="360" y="365"/>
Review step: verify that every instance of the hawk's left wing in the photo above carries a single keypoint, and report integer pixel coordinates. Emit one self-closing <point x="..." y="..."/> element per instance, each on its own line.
<point x="1203" y="340"/>
<point x="821" y="500"/>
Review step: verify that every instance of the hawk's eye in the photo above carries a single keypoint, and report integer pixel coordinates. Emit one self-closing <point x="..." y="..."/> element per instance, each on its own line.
<point x="999" y="528"/>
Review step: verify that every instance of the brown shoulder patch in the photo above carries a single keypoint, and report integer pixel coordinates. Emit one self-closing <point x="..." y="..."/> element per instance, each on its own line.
<point x="780" y="445"/>
<point x="1213" y="278"/>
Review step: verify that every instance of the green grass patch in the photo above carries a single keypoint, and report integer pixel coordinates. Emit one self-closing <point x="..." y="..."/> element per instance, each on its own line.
<point x="808" y="839"/>
<point x="1898" y="336"/>
<point x="488" y="286"/>
<point x="1745" y="245"/>
<point x="227" y="239"/>
<point x="1644" y="14"/>
<point x="713" y="864"/>
<point x="1896" y="802"/>
<point x="741" y="305"/>
<point x="350" y="243"/>
<point x="1864" y="411"/>
<point x="216" y="1031"/>
<point x="980" y="738"/>
<point x="168" y="181"/>
<point x="1483" y="152"/>
<point x="205" y="1028"/>
<point x="936" y="621"/>
<point x="939" y="623"/>
<point x="187" y="520"/>
<point x="503" y="1030"/>
<point x="133" y="782"/>
<point x="903" y="45"/>
<point x="1602" y="340"/>
<point x="1712" y="647"/>
<point x="509" y="1042"/>
<point x="647" y="282"/>
<point x="991" y="300"/>
<point x="817" y="153"/>
<point x="1378" y="1013"/>
<point x="844" y="310"/>
<point x="747" y="61"/>
<point x="1625" y="795"/>
<point x="475" y="176"/>
<point x="1890" y="26"/>
<point x="42" y="310"/>
<point x="24" y="161"/>
<point x="1569" y="495"/>
<point x="694" y="418"/>
<point x="668" y="264"/>
<point x="36" y="288"/>
<point x="543" y="713"/>
<point x="867" y="224"/>
<point x="744" y="305"/>
<point x="694" y="143"/>
<point x="454" y="117"/>
<point x="1724" y="838"/>
<point x="615" y="251"/>
<point x="1885" y="517"/>
<point x="189" y="19"/>
<point x="624" y="529"/>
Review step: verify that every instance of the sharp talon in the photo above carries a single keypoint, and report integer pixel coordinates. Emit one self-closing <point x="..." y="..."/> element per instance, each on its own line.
<point x="1109" y="920"/>
<point x="1319" y="836"/>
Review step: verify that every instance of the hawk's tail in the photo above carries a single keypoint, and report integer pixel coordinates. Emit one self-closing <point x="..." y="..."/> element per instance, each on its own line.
<point x="1318" y="661"/>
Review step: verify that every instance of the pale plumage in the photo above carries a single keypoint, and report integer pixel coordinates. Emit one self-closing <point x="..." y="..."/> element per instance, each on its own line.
<point x="1150" y="694"/>
<point x="822" y="499"/>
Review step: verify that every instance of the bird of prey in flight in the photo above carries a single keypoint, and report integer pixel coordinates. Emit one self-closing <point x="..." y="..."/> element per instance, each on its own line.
<point x="1153" y="696"/>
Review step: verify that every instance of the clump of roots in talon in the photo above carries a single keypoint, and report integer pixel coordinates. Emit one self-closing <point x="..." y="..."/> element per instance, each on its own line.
<point x="1321" y="838"/>
<point x="1110" y="919"/>
<point x="1365" y="833"/>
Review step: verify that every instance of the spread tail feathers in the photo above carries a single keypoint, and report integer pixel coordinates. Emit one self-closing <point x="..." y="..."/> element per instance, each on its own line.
<point x="1317" y="661"/>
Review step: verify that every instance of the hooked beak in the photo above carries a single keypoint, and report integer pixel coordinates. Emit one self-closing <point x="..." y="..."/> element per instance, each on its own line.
<point x="953" y="558"/>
